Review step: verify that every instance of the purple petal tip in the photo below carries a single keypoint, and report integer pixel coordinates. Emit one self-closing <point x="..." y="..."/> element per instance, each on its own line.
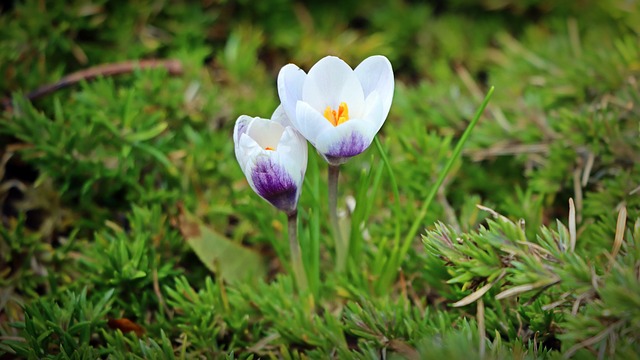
<point x="346" y="148"/>
<point x="274" y="184"/>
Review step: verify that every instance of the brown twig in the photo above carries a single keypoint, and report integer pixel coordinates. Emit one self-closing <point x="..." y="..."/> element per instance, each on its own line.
<point x="173" y="66"/>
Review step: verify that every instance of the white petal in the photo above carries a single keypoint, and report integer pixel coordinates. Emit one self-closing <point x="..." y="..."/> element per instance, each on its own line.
<point x="309" y="122"/>
<point x="346" y="140"/>
<point x="330" y="82"/>
<point x="376" y="74"/>
<point x="291" y="141"/>
<point x="246" y="150"/>
<point x="293" y="153"/>
<point x="367" y="126"/>
<point x="280" y="116"/>
<point x="375" y="115"/>
<point x="258" y="156"/>
<point x="241" y="127"/>
<point x="290" y="81"/>
<point x="247" y="168"/>
<point x="269" y="178"/>
<point x="265" y="132"/>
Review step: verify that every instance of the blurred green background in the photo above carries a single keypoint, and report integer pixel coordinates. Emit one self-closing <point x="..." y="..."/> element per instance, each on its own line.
<point x="102" y="182"/>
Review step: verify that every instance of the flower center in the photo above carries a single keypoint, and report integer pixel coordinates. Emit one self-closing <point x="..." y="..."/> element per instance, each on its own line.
<point x="269" y="148"/>
<point x="337" y="117"/>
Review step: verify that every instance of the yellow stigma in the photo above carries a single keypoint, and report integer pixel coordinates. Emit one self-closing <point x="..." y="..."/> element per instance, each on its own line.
<point x="269" y="148"/>
<point x="337" y="117"/>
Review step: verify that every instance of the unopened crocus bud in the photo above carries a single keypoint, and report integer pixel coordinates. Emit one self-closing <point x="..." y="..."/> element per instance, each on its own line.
<point x="273" y="157"/>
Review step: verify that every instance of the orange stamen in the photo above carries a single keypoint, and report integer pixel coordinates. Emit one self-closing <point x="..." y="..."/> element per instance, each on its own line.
<point x="269" y="148"/>
<point x="337" y="117"/>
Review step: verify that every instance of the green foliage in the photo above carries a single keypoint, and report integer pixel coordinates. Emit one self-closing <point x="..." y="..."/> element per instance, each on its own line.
<point x="133" y="262"/>
<point x="127" y="347"/>
<point x="61" y="330"/>
<point x="561" y="294"/>
<point x="205" y="319"/>
<point x="103" y="160"/>
<point x="19" y="244"/>
<point x="96" y="179"/>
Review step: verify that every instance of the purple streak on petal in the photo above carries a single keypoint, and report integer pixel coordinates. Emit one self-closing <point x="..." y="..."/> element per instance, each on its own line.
<point x="275" y="185"/>
<point x="349" y="146"/>
<point x="242" y="128"/>
<point x="346" y="148"/>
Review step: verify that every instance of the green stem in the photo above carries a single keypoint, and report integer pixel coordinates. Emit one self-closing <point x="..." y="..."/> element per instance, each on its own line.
<point x="398" y="254"/>
<point x="443" y="174"/>
<point x="296" y="256"/>
<point x="341" y="247"/>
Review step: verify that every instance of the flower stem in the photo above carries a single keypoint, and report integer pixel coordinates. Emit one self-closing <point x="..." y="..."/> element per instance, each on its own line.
<point x="399" y="251"/>
<point x="341" y="246"/>
<point x="296" y="256"/>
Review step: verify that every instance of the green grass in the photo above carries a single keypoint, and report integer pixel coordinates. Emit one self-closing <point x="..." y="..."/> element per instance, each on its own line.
<point x="127" y="229"/>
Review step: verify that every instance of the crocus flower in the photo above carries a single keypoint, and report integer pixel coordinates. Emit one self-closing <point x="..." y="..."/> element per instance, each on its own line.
<point x="338" y="109"/>
<point x="273" y="157"/>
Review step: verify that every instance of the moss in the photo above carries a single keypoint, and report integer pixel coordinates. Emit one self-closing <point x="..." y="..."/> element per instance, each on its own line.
<point x="96" y="177"/>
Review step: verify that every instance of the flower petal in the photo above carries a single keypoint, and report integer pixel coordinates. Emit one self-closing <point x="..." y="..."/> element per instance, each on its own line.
<point x="265" y="132"/>
<point x="376" y="74"/>
<point x="330" y="82"/>
<point x="290" y="81"/>
<point x="309" y="122"/>
<point x="246" y="150"/>
<point x="292" y="150"/>
<point x="374" y="115"/>
<point x="280" y="116"/>
<point x="344" y="141"/>
<point x="271" y="180"/>
<point x="241" y="127"/>
<point x="275" y="174"/>
<point x="243" y="144"/>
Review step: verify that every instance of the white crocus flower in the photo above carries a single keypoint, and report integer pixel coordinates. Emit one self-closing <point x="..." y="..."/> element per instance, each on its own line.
<point x="273" y="157"/>
<point x="338" y="109"/>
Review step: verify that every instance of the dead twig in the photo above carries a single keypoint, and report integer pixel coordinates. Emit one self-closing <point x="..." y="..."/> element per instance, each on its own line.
<point x="174" y="67"/>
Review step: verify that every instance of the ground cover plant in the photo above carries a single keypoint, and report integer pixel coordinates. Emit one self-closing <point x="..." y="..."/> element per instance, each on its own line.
<point x="128" y="229"/>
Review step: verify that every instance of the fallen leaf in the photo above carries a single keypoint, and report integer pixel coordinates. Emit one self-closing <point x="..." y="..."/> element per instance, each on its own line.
<point x="224" y="257"/>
